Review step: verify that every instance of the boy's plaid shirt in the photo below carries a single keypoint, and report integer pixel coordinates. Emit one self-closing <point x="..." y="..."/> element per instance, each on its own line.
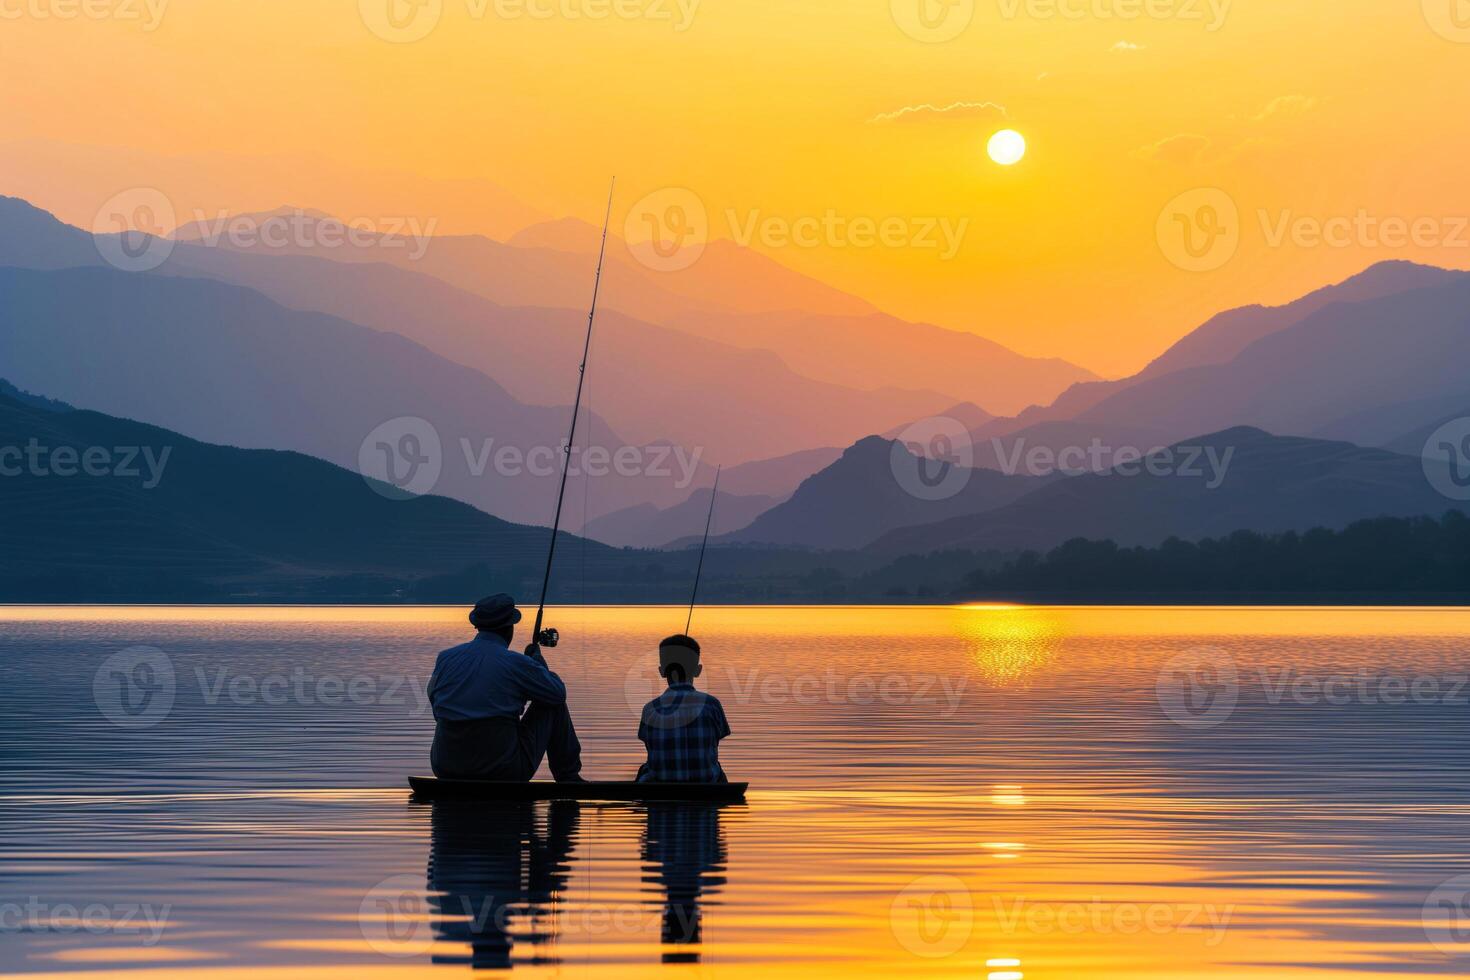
<point x="682" y="728"/>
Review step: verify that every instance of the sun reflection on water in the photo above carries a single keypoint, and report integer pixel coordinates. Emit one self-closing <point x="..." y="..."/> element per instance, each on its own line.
<point x="1008" y="645"/>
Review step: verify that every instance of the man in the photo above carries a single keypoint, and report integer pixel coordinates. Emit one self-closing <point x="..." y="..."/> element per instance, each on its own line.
<point x="479" y="690"/>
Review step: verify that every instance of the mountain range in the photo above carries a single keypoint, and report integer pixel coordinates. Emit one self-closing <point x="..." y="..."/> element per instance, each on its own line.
<point x="661" y="385"/>
<point x="441" y="359"/>
<point x="732" y="296"/>
<point x="1237" y="479"/>
<point x="862" y="495"/>
<point x="1364" y="360"/>
<point x="95" y="508"/>
<point x="172" y="512"/>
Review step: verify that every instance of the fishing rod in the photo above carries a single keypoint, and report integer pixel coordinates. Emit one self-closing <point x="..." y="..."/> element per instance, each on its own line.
<point x="550" y="637"/>
<point x="709" y="518"/>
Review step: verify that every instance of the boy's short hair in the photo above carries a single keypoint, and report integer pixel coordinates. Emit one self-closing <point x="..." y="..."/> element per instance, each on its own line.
<point x="678" y="651"/>
<point x="680" y="640"/>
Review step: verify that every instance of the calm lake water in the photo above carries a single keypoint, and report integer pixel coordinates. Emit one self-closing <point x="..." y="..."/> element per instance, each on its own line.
<point x="990" y="792"/>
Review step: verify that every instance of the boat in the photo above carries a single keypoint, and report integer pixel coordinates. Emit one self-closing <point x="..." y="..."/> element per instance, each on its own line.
<point x="484" y="790"/>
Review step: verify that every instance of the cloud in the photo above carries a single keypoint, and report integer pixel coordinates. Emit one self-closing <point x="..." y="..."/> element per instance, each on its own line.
<point x="1288" y="107"/>
<point x="1182" y="149"/>
<point x="1126" y="46"/>
<point x="955" y="110"/>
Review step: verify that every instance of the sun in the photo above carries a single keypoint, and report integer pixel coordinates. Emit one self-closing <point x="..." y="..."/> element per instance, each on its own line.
<point x="1007" y="147"/>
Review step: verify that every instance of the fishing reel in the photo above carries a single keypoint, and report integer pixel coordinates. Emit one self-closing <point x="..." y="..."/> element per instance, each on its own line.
<point x="549" y="637"/>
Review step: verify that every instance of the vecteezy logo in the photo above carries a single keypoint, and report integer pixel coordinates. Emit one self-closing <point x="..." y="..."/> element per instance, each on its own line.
<point x="1198" y="688"/>
<point x="401" y="21"/>
<point x="393" y="917"/>
<point x="1446" y="459"/>
<point x="1450" y="19"/>
<point x="1446" y="917"/>
<point x="402" y="458"/>
<point x="134" y="688"/>
<point x="131" y="229"/>
<point x="933" y="458"/>
<point x="1199" y="230"/>
<point x="932" y="21"/>
<point x="933" y="916"/>
<point x="667" y="230"/>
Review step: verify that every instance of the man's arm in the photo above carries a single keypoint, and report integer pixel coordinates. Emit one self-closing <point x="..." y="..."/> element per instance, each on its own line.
<point x="538" y="683"/>
<point x="433" y="679"/>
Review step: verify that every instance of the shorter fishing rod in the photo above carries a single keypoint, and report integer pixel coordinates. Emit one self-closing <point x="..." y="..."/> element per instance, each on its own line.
<point x="709" y="519"/>
<point x="550" y="637"/>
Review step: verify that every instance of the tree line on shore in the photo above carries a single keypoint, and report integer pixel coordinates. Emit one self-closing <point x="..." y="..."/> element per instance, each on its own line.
<point x="1416" y="556"/>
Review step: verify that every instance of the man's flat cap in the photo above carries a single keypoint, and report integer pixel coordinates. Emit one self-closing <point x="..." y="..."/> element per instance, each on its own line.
<point x="495" y="612"/>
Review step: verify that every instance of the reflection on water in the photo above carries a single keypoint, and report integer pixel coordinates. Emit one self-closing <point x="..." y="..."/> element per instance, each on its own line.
<point x="1008" y="644"/>
<point x="499" y="876"/>
<point x="684" y="851"/>
<point x="1000" y="792"/>
<point x="489" y="865"/>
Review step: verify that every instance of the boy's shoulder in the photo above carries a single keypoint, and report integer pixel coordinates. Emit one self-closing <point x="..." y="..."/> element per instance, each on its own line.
<point x="671" y="698"/>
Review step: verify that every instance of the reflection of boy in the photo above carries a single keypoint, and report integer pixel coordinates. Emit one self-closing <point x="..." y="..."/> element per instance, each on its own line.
<point x="682" y="727"/>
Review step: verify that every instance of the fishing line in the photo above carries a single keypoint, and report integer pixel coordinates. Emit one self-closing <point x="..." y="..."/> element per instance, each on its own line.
<point x="698" y="569"/>
<point x="550" y="637"/>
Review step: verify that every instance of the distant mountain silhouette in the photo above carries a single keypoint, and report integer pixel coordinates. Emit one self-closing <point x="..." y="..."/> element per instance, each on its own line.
<point x="853" y="350"/>
<point x="858" y="498"/>
<point x="1224" y="336"/>
<point x="653" y="384"/>
<point x="218" y="518"/>
<point x="160" y="517"/>
<point x="1342" y="362"/>
<point x="967" y="414"/>
<point x="647" y="526"/>
<point x="225" y="364"/>
<point x="544" y="265"/>
<point x="1010" y="452"/>
<point x="1271" y="483"/>
<point x="1385" y="425"/>
<point x="31" y="238"/>
<point x="779" y="476"/>
<point x="1416" y="441"/>
<point x="732" y="295"/>
<point x="725" y="276"/>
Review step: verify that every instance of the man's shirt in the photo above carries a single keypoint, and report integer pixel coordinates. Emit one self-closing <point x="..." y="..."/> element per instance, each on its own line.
<point x="484" y="678"/>
<point x="682" y="728"/>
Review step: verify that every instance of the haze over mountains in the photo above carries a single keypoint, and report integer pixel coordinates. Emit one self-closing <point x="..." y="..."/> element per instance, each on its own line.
<point x="1374" y="360"/>
<point x="730" y="294"/>
<point x="1325" y="375"/>
<point x="224" y="364"/>
<point x="1228" y="336"/>
<point x="734" y="403"/>
<point x="736" y="361"/>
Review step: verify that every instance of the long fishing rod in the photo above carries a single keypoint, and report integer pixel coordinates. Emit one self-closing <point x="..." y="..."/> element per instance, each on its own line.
<point x="550" y="637"/>
<point x="709" y="518"/>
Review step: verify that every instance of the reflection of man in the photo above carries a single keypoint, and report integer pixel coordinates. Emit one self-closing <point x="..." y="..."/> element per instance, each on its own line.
<point x="479" y="690"/>
<point x="488" y="865"/>
<point x="684" y="847"/>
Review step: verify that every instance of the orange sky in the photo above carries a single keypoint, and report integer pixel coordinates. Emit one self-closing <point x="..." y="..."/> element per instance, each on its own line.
<point x="773" y="110"/>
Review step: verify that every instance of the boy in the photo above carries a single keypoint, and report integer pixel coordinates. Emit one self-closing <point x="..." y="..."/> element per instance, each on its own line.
<point x="682" y="727"/>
